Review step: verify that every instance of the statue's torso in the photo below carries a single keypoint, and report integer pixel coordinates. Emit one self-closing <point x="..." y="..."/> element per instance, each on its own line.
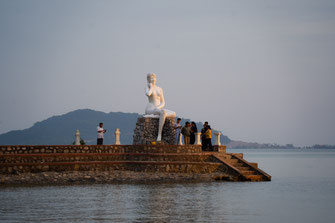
<point x="155" y="97"/>
<point x="156" y="103"/>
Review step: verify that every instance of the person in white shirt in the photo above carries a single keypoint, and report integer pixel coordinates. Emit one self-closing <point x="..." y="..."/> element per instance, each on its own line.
<point x="177" y="127"/>
<point x="101" y="132"/>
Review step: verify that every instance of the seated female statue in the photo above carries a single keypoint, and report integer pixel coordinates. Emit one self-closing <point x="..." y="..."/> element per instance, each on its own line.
<point x="156" y="103"/>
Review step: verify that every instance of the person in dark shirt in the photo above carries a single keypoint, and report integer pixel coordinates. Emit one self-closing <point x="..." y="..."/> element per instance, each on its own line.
<point x="186" y="131"/>
<point x="203" y="136"/>
<point x="193" y="131"/>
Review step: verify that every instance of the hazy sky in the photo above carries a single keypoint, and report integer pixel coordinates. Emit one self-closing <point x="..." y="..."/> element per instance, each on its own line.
<point x="260" y="71"/>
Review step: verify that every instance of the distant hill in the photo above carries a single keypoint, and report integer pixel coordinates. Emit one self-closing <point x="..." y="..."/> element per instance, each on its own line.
<point x="60" y="130"/>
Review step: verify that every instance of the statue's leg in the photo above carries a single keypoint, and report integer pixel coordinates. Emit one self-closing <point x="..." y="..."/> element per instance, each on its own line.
<point x="162" y="118"/>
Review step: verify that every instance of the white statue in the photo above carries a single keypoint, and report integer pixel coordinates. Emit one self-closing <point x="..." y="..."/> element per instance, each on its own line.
<point x="156" y="103"/>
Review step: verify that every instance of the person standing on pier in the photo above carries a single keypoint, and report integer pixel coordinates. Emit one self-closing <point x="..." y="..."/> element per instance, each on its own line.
<point x="177" y="127"/>
<point x="208" y="140"/>
<point x="101" y="132"/>
<point x="193" y="131"/>
<point x="203" y="136"/>
<point x="186" y="131"/>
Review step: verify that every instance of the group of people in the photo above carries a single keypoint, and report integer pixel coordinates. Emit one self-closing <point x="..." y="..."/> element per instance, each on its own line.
<point x="189" y="131"/>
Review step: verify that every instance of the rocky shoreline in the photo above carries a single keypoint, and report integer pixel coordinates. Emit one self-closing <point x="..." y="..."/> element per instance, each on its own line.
<point x="102" y="177"/>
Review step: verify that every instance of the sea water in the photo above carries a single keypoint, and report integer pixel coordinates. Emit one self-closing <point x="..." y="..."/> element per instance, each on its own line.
<point x="302" y="190"/>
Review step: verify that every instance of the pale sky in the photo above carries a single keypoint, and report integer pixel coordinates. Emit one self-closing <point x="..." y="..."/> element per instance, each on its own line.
<point x="259" y="71"/>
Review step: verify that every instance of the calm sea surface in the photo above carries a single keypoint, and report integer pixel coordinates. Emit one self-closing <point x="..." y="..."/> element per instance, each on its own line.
<point x="302" y="190"/>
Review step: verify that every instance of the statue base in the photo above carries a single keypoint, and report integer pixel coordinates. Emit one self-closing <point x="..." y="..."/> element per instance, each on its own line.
<point x="146" y="131"/>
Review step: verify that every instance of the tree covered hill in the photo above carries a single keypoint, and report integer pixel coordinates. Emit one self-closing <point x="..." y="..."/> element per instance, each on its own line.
<point x="60" y="130"/>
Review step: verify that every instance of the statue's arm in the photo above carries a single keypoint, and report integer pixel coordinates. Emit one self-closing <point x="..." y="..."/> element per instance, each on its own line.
<point x="162" y="100"/>
<point x="148" y="90"/>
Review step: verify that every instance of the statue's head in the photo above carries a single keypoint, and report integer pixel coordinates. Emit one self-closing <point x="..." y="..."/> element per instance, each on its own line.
<point x="151" y="77"/>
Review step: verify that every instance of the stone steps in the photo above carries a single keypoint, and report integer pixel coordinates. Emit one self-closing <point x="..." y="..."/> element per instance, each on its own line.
<point x="243" y="168"/>
<point x="248" y="172"/>
<point x="239" y="165"/>
<point x="232" y="161"/>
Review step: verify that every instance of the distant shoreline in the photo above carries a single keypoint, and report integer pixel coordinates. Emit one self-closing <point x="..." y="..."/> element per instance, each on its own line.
<point x="254" y="145"/>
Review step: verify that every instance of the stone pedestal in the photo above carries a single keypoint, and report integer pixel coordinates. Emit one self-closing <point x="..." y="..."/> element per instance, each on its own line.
<point x="146" y="131"/>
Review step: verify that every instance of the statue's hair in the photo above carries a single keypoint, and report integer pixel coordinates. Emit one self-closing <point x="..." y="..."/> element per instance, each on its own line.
<point x="150" y="74"/>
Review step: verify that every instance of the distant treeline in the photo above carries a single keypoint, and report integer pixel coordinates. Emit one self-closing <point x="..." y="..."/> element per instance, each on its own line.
<point x="246" y="145"/>
<point x="254" y="145"/>
<point x="317" y="146"/>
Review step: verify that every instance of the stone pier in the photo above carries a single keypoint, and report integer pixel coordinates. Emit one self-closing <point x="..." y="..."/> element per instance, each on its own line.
<point x="122" y="163"/>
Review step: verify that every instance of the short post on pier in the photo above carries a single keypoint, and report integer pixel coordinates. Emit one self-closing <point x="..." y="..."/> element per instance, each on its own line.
<point x="77" y="141"/>
<point x="117" y="137"/>
<point x="197" y="139"/>
<point x="217" y="138"/>
<point x="180" y="139"/>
